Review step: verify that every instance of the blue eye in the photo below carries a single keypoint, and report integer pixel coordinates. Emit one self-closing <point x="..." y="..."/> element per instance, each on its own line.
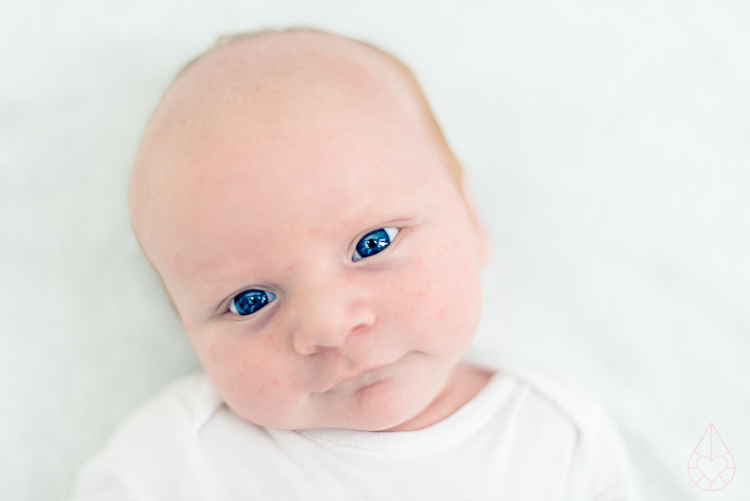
<point x="248" y="302"/>
<point x="374" y="242"/>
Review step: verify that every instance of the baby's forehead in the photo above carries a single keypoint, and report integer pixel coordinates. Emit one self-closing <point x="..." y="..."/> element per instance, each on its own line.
<point x="275" y="108"/>
<point x="294" y="130"/>
<point x="276" y="74"/>
<point x="278" y="85"/>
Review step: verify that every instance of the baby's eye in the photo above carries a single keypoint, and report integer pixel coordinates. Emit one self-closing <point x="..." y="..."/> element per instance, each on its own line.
<point x="374" y="242"/>
<point x="250" y="301"/>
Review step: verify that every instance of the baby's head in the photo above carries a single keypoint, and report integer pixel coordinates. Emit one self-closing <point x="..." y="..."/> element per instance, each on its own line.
<point x="307" y="218"/>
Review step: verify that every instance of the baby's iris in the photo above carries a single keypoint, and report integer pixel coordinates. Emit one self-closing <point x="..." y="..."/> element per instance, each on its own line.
<point x="374" y="242"/>
<point x="250" y="301"/>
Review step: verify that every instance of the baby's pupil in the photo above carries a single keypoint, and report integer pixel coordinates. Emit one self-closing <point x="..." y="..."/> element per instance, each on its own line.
<point x="250" y="301"/>
<point x="373" y="243"/>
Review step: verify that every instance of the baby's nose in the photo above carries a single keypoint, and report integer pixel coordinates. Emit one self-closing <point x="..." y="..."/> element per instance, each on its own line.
<point x="326" y="316"/>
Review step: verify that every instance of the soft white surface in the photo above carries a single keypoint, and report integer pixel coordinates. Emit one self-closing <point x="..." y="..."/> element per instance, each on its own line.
<point x="521" y="437"/>
<point x="607" y="147"/>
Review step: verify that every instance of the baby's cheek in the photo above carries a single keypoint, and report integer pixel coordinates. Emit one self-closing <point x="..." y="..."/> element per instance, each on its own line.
<point x="416" y="300"/>
<point x="240" y="372"/>
<point x="449" y="300"/>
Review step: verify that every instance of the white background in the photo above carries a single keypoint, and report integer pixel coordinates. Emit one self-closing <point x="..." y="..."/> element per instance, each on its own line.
<point x="607" y="148"/>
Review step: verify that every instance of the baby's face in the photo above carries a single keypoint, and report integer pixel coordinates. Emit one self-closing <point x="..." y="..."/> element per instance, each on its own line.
<point x="322" y="262"/>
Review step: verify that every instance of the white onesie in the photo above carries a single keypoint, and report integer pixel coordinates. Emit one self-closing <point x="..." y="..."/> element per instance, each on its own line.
<point x="520" y="438"/>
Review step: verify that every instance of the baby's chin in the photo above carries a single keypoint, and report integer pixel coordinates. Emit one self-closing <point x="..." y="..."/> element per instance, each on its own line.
<point x="379" y="406"/>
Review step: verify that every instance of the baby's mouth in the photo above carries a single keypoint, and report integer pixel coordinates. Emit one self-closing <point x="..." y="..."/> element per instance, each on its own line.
<point x="342" y="381"/>
<point x="360" y="376"/>
<point x="357" y="379"/>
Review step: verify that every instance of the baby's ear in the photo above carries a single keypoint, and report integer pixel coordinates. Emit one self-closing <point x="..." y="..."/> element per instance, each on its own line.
<point x="481" y="242"/>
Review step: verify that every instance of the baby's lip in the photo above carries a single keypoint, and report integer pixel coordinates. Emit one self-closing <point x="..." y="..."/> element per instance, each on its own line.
<point x="349" y="377"/>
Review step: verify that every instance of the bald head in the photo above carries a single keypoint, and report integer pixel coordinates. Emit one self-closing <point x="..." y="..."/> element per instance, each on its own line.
<point x="250" y="88"/>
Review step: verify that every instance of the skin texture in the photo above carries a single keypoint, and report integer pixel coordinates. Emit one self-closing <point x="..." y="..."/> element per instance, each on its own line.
<point x="262" y="167"/>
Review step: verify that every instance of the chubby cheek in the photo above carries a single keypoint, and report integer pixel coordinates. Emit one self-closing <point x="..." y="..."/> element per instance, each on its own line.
<point x="440" y="298"/>
<point x="249" y="375"/>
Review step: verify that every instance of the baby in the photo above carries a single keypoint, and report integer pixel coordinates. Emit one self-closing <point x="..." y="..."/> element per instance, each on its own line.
<point x="310" y="225"/>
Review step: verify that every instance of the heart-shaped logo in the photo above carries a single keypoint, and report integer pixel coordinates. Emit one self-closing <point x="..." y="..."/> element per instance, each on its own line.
<point x="711" y="466"/>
